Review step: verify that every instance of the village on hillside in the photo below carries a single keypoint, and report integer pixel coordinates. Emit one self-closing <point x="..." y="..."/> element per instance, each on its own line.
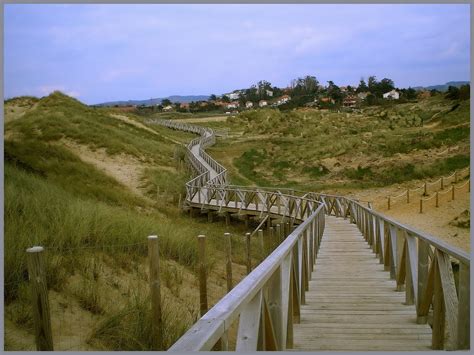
<point x="302" y="92"/>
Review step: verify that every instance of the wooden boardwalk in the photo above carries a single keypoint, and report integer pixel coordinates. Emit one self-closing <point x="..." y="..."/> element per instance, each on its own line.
<point x="323" y="287"/>
<point x="352" y="304"/>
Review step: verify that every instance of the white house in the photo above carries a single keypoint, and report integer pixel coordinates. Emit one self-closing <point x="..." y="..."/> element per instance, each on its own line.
<point x="269" y="93"/>
<point x="234" y="95"/>
<point x="232" y="105"/>
<point x="167" y="108"/>
<point x="394" y="95"/>
<point x="283" y="100"/>
<point x="249" y="104"/>
<point x="262" y="103"/>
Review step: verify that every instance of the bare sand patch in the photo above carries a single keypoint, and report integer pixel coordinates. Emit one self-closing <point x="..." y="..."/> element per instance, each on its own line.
<point x="124" y="168"/>
<point x="434" y="220"/>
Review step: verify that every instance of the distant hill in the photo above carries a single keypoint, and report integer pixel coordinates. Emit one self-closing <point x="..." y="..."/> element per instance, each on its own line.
<point x="443" y="87"/>
<point x="157" y="101"/>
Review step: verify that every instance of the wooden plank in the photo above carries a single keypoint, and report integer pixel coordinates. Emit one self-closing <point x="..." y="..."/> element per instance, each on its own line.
<point x="393" y="252"/>
<point x="450" y="300"/>
<point x="270" y="338"/>
<point x="411" y="270"/>
<point x="275" y="306"/>
<point x="437" y="341"/>
<point x="286" y="313"/>
<point x="402" y="268"/>
<point x="249" y="321"/>
<point x="464" y="307"/>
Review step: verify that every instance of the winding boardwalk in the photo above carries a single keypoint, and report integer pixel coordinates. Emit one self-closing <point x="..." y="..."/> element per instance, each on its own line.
<point x="344" y="277"/>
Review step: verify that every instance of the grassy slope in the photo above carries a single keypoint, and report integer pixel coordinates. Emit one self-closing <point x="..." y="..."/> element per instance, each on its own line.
<point x="55" y="199"/>
<point x="314" y="149"/>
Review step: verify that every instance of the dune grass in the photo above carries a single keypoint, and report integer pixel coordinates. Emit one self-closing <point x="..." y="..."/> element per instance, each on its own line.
<point x="81" y="215"/>
<point x="298" y="148"/>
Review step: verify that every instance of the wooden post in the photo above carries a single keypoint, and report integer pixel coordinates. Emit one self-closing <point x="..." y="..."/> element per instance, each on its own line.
<point x="287" y="230"/>
<point x="388" y="202"/>
<point x="271" y="240"/>
<point x="39" y="299"/>
<point x="423" y="269"/>
<point x="262" y="242"/>
<point x="426" y="190"/>
<point x="278" y="233"/>
<point x="246" y="220"/>
<point x="202" y="274"/>
<point x="228" y="242"/>
<point x="408" y="195"/>
<point x="155" y="292"/>
<point x="421" y="205"/>
<point x="437" y="199"/>
<point x="452" y="193"/>
<point x="249" y="260"/>
<point x="437" y="341"/>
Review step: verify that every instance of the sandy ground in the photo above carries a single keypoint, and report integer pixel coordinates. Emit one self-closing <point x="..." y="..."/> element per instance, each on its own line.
<point x="13" y="112"/>
<point x="124" y="168"/>
<point x="434" y="220"/>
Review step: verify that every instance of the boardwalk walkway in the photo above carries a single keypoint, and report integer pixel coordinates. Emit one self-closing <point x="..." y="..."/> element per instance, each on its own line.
<point x="346" y="301"/>
<point x="352" y="304"/>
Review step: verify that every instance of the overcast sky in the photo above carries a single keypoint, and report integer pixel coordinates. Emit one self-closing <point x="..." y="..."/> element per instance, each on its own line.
<point x="109" y="52"/>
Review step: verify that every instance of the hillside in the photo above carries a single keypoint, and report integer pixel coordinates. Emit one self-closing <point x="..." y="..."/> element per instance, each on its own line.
<point x="90" y="185"/>
<point x="442" y="87"/>
<point x="157" y="101"/>
<point x="372" y="153"/>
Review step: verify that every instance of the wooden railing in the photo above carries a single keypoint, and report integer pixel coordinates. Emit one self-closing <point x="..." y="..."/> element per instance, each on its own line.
<point x="422" y="266"/>
<point x="267" y="302"/>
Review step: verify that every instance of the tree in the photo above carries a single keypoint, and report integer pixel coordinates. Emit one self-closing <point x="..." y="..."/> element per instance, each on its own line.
<point x="362" y="86"/>
<point x="372" y="84"/>
<point x="385" y="85"/>
<point x="213" y="97"/>
<point x="452" y="93"/>
<point x="251" y="94"/>
<point x="334" y="92"/>
<point x="262" y="87"/>
<point x="307" y="86"/>
<point x="165" y="102"/>
<point x="225" y="98"/>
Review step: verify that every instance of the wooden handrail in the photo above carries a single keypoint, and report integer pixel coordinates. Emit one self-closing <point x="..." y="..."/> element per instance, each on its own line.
<point x="247" y="298"/>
